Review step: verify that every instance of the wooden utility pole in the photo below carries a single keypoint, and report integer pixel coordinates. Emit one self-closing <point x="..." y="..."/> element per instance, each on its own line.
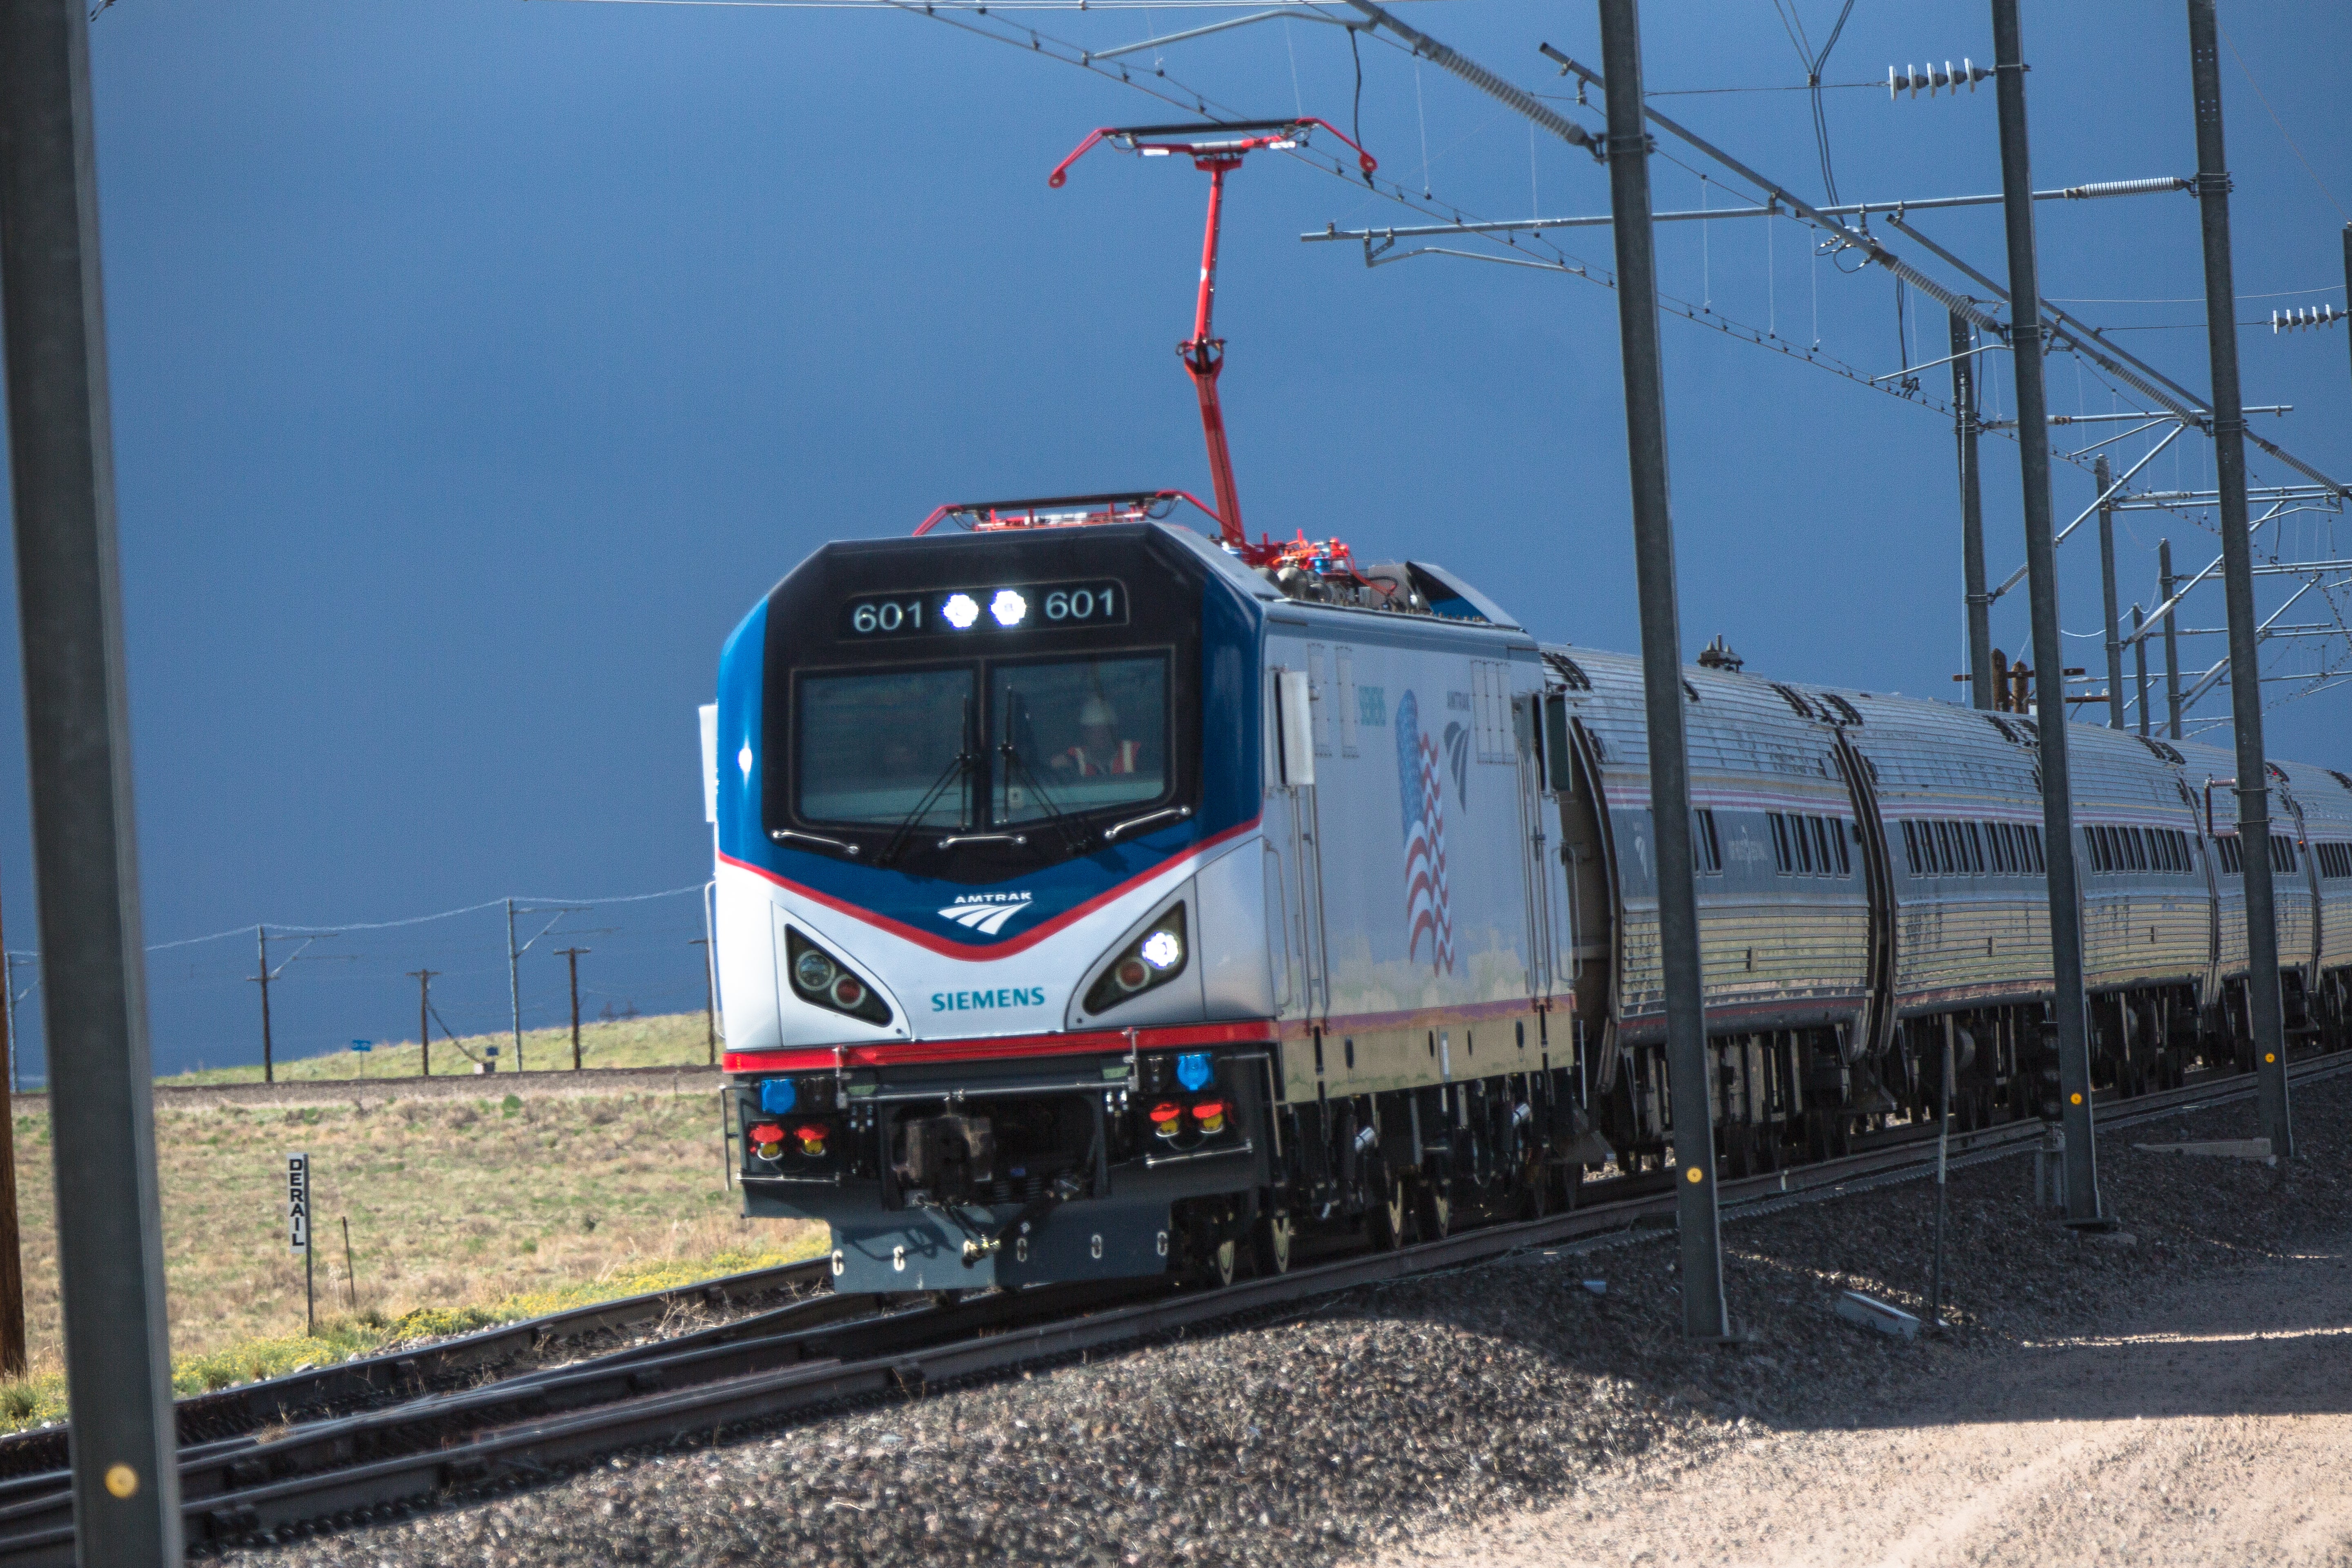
<point x="268" y="1067"/>
<point x="572" y="955"/>
<point x="12" y="1261"/>
<point x="710" y="1001"/>
<point x="423" y="978"/>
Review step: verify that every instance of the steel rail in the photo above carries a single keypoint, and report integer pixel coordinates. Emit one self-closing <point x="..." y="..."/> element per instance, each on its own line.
<point x="804" y="1331"/>
<point x="406" y="1373"/>
<point x="527" y="1447"/>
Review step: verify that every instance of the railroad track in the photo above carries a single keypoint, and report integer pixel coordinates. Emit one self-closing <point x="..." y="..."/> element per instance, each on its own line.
<point x="824" y="1351"/>
<point x="408" y="1373"/>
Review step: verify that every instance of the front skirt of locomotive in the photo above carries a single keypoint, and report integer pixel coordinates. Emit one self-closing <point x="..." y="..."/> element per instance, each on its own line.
<point x="959" y="1179"/>
<point x="927" y="1250"/>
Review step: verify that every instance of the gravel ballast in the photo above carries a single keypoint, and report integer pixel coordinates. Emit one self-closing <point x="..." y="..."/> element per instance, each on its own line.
<point x="1373" y="1418"/>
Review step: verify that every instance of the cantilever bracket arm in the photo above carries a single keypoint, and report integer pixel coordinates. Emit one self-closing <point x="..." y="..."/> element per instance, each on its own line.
<point x="1302" y="13"/>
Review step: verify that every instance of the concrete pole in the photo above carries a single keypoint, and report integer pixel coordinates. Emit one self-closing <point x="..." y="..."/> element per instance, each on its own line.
<point x="2068" y="1016"/>
<point x="1981" y="693"/>
<point x="126" y="1477"/>
<point x="1689" y="1071"/>
<point x="2103" y="478"/>
<point x="2171" y="584"/>
<point x="2265" y="1006"/>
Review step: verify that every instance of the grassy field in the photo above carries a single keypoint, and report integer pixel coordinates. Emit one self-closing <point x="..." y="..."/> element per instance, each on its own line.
<point x="461" y="1212"/>
<point x="669" y="1039"/>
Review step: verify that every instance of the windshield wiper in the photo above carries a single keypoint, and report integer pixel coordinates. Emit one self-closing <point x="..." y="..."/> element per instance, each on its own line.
<point x="956" y="772"/>
<point x="1074" y="838"/>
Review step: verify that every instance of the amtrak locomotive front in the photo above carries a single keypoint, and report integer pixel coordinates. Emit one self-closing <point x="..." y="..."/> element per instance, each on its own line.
<point x="991" y="932"/>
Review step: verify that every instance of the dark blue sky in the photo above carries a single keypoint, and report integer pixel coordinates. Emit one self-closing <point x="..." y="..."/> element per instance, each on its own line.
<point x="476" y="365"/>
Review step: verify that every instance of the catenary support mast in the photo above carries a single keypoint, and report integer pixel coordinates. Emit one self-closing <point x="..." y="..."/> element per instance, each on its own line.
<point x="1688" y="1074"/>
<point x="2072" y="1025"/>
<point x="2265" y="1006"/>
<point x="1972" y="552"/>
<point x="2171" y="585"/>
<point x="2139" y="666"/>
<point x="2113" y="619"/>
<point x="126" y="1477"/>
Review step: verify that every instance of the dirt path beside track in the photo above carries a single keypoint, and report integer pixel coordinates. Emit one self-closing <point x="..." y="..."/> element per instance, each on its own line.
<point x="2213" y="1427"/>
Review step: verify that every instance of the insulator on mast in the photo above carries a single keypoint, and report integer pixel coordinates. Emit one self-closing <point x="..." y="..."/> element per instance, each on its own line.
<point x="2305" y="318"/>
<point x="1911" y="79"/>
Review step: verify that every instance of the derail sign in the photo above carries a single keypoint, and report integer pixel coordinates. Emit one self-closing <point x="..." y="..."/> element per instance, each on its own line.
<point x="297" y="1202"/>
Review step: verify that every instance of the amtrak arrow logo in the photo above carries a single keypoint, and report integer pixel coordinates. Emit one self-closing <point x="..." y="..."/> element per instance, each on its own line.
<point x="987" y="915"/>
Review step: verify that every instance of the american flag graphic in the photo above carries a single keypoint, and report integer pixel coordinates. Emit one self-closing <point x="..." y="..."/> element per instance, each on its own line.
<point x="1419" y="772"/>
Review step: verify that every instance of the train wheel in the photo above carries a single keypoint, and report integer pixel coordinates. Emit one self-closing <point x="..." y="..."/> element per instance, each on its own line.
<point x="1271" y="1241"/>
<point x="1389" y="1212"/>
<point x="1433" y="1207"/>
<point x="1535" y="1187"/>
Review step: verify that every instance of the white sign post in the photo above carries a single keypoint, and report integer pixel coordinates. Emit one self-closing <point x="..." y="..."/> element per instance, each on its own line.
<point x="297" y="1228"/>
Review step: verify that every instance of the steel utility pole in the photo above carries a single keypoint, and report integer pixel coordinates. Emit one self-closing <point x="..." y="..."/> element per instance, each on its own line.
<point x="572" y="955"/>
<point x="710" y="1000"/>
<point x="268" y="1066"/>
<point x="2265" y="1006"/>
<point x="2171" y="584"/>
<point x="1689" y="1071"/>
<point x="2139" y="665"/>
<point x="423" y="978"/>
<point x="1972" y="557"/>
<point x="2070" y="1021"/>
<point x="2103" y="478"/>
<point x="126" y="1475"/>
<point x="12" y="1254"/>
<point x="2347" y="277"/>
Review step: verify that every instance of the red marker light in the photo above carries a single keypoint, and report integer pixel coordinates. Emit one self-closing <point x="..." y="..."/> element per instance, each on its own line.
<point x="1167" y="1119"/>
<point x="848" y="991"/>
<point x="1211" y="1115"/>
<point x="811" y="1137"/>
<point x="767" y="1139"/>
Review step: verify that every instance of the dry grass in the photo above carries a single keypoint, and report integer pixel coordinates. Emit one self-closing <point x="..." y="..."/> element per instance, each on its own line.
<point x="462" y="1212"/>
<point x="668" y="1040"/>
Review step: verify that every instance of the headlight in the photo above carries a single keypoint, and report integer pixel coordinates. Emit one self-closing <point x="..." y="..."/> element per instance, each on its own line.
<point x="823" y="980"/>
<point x="814" y="972"/>
<point x="1149" y="962"/>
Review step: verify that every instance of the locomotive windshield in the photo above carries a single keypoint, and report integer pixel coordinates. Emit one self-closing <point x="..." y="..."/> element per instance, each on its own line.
<point x="971" y="710"/>
<point x="897" y="749"/>
<point x="1078" y="735"/>
<point x="882" y="749"/>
